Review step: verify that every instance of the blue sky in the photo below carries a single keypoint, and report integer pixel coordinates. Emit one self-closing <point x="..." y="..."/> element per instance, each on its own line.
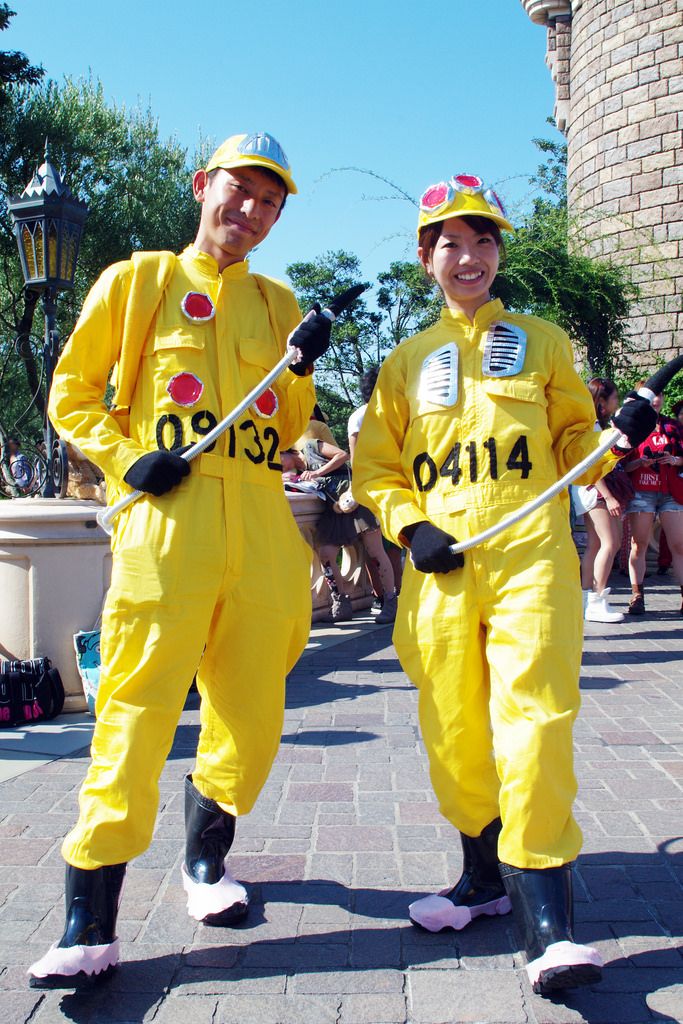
<point x="414" y="92"/>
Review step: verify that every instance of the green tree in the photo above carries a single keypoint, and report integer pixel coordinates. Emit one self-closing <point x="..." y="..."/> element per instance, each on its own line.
<point x="405" y="300"/>
<point x="137" y="187"/>
<point x="15" y="68"/>
<point x="547" y="273"/>
<point x="551" y="176"/>
<point x="353" y="336"/>
<point x="587" y="297"/>
<point x="408" y="300"/>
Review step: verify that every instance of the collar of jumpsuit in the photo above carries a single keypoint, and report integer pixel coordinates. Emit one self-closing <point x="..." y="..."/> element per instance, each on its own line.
<point x="483" y="318"/>
<point x="208" y="266"/>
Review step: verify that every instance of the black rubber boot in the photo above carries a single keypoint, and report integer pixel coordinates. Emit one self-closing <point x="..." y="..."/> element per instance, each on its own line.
<point x="88" y="950"/>
<point x="542" y="906"/>
<point x="214" y="896"/>
<point x="480" y="881"/>
<point x="479" y="890"/>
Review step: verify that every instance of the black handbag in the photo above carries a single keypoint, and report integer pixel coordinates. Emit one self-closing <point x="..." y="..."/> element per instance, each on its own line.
<point x="334" y="485"/>
<point x="30" y="691"/>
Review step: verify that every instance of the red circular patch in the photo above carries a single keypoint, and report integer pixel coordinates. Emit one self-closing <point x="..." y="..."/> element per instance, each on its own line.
<point x="469" y="180"/>
<point x="435" y="195"/>
<point x="267" y="404"/>
<point x="197" y="306"/>
<point x="185" y="388"/>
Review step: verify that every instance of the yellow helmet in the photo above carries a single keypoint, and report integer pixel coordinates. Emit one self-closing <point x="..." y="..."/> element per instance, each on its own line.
<point x="464" y="195"/>
<point x="257" y="150"/>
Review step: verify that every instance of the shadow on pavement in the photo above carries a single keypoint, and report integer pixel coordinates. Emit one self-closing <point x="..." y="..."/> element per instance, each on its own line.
<point x="328" y="737"/>
<point x="601" y="682"/>
<point x="611" y="904"/>
<point x="140" y="984"/>
<point x="187" y="738"/>
<point x="631" y="657"/>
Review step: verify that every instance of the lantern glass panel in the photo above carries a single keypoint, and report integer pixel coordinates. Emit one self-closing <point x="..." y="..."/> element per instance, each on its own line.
<point x="52" y="250"/>
<point x="39" y="247"/>
<point x="29" y="254"/>
<point x="64" y="252"/>
<point x="70" y="237"/>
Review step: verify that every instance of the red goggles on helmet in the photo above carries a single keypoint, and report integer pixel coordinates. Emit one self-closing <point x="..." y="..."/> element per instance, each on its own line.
<point x="442" y="195"/>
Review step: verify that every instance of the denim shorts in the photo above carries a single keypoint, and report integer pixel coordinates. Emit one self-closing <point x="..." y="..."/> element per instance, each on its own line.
<point x="654" y="502"/>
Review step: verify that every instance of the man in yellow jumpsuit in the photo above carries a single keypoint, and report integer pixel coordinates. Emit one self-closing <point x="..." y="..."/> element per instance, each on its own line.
<point x="469" y="420"/>
<point x="213" y="578"/>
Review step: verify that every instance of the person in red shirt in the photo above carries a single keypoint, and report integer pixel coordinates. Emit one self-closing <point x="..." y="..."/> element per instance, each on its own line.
<point x="655" y="470"/>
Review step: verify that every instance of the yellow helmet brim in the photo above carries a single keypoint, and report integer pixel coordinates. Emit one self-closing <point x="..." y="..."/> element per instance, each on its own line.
<point x="257" y="150"/>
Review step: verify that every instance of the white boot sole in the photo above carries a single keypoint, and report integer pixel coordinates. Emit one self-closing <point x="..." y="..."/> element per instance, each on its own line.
<point x="564" y="965"/>
<point x="226" y="899"/>
<point x="64" y="967"/>
<point x="434" y="913"/>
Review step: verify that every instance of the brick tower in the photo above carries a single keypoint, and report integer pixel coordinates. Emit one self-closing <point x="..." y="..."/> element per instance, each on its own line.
<point x="617" y="66"/>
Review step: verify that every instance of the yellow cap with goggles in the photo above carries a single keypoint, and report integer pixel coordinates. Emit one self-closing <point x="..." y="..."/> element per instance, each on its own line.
<point x="257" y="150"/>
<point x="464" y="195"/>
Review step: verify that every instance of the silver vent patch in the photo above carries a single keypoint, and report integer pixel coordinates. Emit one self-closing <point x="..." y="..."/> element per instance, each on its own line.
<point x="439" y="376"/>
<point x="504" y="350"/>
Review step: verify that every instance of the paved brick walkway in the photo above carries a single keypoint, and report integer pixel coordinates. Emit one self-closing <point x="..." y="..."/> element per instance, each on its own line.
<point x="346" y="833"/>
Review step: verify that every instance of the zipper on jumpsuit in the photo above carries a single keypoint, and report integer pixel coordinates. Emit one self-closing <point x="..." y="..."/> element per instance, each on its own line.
<point x="471" y="374"/>
<point x="230" y="479"/>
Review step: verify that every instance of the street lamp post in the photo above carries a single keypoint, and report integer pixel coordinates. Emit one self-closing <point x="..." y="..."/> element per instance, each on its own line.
<point x="48" y="223"/>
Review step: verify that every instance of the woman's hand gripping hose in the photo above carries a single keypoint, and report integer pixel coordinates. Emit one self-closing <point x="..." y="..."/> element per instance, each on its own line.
<point x="633" y="422"/>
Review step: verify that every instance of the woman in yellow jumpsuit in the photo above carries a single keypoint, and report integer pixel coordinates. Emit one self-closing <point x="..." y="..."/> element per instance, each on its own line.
<point x="470" y="419"/>
<point x="212" y="579"/>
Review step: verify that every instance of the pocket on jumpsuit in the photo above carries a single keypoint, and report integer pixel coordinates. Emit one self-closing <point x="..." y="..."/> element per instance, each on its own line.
<point x="288" y="585"/>
<point x="521" y="405"/>
<point x="147" y="566"/>
<point x="258" y="356"/>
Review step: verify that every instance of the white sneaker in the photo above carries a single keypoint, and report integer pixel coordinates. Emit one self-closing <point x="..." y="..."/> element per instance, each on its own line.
<point x="598" y="608"/>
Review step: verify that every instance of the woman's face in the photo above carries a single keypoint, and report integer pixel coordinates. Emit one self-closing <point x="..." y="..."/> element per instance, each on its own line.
<point x="657" y="402"/>
<point x="464" y="265"/>
<point x="611" y="404"/>
<point x="288" y="462"/>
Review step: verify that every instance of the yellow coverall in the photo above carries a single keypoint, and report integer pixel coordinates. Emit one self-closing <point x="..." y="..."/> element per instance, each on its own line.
<point x="212" y="577"/>
<point x="494" y="647"/>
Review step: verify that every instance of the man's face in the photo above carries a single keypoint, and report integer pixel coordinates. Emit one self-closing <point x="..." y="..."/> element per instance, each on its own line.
<point x="239" y="207"/>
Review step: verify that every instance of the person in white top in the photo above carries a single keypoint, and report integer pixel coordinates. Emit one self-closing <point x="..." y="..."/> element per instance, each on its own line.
<point x="603" y="535"/>
<point x="378" y="561"/>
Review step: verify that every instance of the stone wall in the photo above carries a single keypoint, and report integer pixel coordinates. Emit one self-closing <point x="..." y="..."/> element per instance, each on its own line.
<point x="618" y="71"/>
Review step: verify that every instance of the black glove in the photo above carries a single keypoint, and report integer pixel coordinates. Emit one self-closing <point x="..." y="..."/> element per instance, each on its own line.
<point x="157" y="472"/>
<point x="312" y="337"/>
<point x="636" y="419"/>
<point x="429" y="548"/>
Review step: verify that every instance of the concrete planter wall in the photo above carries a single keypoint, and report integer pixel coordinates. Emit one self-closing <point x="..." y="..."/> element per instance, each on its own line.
<point x="55" y="567"/>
